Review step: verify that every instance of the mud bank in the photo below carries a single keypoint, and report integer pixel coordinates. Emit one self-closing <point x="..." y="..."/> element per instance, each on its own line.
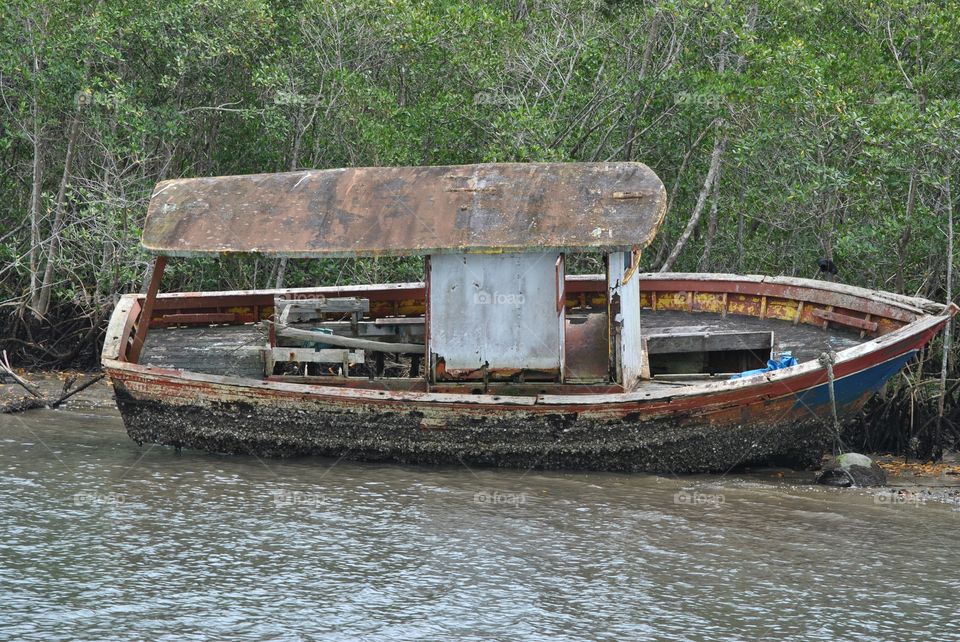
<point x="920" y="482"/>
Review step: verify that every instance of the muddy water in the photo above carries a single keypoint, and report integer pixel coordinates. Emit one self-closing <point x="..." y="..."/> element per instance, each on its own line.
<point x="105" y="540"/>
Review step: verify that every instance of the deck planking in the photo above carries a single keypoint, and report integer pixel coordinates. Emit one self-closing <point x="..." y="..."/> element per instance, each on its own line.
<point x="230" y="350"/>
<point x="234" y="350"/>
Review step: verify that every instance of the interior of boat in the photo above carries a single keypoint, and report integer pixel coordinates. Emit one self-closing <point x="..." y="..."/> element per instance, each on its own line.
<point x="694" y="327"/>
<point x="497" y="312"/>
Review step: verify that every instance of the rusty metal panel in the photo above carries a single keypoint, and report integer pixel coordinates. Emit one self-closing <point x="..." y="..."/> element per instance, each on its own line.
<point x="369" y="211"/>
<point x="499" y="310"/>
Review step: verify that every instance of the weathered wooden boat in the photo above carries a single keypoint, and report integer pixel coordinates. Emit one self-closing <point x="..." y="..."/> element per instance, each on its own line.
<point x="498" y="357"/>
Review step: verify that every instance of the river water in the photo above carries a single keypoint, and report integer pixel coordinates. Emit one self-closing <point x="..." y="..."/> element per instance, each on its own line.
<point x="105" y="540"/>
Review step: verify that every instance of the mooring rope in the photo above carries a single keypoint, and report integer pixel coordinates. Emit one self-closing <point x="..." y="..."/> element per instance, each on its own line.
<point x="827" y="359"/>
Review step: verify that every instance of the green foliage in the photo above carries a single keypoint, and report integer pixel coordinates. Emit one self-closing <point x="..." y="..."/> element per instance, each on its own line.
<point x="832" y="110"/>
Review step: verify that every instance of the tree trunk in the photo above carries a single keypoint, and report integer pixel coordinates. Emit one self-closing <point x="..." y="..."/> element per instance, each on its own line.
<point x="35" y="196"/>
<point x="281" y="272"/>
<point x="644" y="65"/>
<point x="907" y="232"/>
<point x="718" y="148"/>
<point x="947" y="336"/>
<point x="43" y="299"/>
<point x="662" y="239"/>
<point x="711" y="224"/>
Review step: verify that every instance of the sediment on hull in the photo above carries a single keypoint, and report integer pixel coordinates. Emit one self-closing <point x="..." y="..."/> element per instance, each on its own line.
<point x="534" y="441"/>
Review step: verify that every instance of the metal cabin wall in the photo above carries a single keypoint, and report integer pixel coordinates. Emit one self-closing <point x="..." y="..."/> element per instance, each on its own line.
<point x="626" y="322"/>
<point x="498" y="309"/>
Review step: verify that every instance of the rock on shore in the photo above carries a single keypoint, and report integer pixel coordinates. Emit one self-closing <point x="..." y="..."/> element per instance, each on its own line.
<point x="852" y="469"/>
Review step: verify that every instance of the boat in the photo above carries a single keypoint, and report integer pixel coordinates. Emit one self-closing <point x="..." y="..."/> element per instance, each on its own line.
<point x="498" y="357"/>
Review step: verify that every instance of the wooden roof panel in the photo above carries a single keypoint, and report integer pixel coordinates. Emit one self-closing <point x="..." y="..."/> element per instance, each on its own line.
<point x="396" y="211"/>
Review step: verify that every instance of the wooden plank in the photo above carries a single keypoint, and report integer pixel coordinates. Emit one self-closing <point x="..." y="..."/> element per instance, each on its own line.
<point x="379" y="295"/>
<point x="326" y="304"/>
<point x="845" y="319"/>
<point x="115" y="339"/>
<point x="198" y="317"/>
<point x="384" y="383"/>
<point x="676" y="343"/>
<point x="399" y="321"/>
<point x="143" y="324"/>
<point x="292" y="310"/>
<point x="531" y="389"/>
<point x="317" y="356"/>
<point x="403" y="331"/>
<point x="349" y="342"/>
<point x="695" y="376"/>
<point x="381" y="211"/>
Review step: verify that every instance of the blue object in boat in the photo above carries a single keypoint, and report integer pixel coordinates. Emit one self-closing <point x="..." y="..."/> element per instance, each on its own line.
<point x="785" y="361"/>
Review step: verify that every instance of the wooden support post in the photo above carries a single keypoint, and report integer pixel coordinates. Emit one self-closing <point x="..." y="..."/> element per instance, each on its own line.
<point x="143" y="325"/>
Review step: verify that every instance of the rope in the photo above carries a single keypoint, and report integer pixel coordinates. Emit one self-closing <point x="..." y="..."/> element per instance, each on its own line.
<point x="827" y="359"/>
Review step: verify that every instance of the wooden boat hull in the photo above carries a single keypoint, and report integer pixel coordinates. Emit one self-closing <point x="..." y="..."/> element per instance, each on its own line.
<point x="781" y="417"/>
<point x="718" y="433"/>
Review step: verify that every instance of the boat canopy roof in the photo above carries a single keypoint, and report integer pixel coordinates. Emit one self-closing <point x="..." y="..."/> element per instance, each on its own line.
<point x="409" y="211"/>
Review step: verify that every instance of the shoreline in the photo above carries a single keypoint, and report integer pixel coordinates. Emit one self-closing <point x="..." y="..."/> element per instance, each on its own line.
<point x="909" y="482"/>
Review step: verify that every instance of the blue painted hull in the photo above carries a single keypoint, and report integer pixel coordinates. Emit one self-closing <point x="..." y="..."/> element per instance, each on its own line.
<point x="852" y="390"/>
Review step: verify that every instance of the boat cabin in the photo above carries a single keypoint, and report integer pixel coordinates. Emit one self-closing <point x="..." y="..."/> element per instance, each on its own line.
<point x="496" y="313"/>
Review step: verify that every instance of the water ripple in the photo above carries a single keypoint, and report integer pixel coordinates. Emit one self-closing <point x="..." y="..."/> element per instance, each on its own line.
<point x="103" y="540"/>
